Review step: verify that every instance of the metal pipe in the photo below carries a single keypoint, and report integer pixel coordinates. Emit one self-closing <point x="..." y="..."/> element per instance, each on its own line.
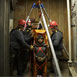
<point x="51" y="45"/>
<point x="47" y="15"/>
<point x="29" y="15"/>
<point x="66" y="50"/>
<point x="69" y="30"/>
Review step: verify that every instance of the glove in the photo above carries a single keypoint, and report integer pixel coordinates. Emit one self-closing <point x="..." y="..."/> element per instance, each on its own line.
<point x="31" y="47"/>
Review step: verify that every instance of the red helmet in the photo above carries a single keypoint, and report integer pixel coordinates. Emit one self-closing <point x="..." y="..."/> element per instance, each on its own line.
<point x="22" y="22"/>
<point x="53" y="24"/>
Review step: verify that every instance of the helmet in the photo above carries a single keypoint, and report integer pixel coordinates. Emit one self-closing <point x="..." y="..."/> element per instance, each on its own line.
<point x="53" y="24"/>
<point x="22" y="22"/>
<point x="29" y="21"/>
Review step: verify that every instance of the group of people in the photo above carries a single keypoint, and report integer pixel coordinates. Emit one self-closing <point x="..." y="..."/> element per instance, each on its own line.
<point x="21" y="44"/>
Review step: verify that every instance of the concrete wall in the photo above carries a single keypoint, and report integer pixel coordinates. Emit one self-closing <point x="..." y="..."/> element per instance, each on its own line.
<point x="74" y="22"/>
<point x="4" y="37"/>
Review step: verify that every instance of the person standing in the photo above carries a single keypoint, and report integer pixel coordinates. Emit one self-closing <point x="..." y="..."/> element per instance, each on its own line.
<point x="57" y="41"/>
<point x="17" y="44"/>
<point x="28" y="56"/>
<point x="56" y="37"/>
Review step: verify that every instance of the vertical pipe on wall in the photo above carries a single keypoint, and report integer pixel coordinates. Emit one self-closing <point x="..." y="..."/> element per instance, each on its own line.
<point x="69" y="30"/>
<point x="74" y="22"/>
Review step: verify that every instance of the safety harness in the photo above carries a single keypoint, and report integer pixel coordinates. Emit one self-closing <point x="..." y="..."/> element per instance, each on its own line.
<point x="39" y="67"/>
<point x="40" y="49"/>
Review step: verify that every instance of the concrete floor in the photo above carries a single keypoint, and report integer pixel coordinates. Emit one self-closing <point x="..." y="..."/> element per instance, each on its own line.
<point x="75" y="67"/>
<point x="64" y="70"/>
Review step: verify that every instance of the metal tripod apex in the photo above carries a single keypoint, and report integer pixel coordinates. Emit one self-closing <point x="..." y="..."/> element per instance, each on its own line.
<point x="51" y="45"/>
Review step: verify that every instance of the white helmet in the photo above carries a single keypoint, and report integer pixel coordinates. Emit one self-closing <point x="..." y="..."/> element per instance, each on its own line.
<point x="29" y="21"/>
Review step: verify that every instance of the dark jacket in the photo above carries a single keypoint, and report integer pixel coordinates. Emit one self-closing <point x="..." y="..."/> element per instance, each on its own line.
<point x="57" y="40"/>
<point x="28" y="37"/>
<point x="17" y="40"/>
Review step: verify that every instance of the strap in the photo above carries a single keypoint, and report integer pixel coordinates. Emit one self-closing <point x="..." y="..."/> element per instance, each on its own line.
<point x="40" y="48"/>
<point x="40" y="67"/>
